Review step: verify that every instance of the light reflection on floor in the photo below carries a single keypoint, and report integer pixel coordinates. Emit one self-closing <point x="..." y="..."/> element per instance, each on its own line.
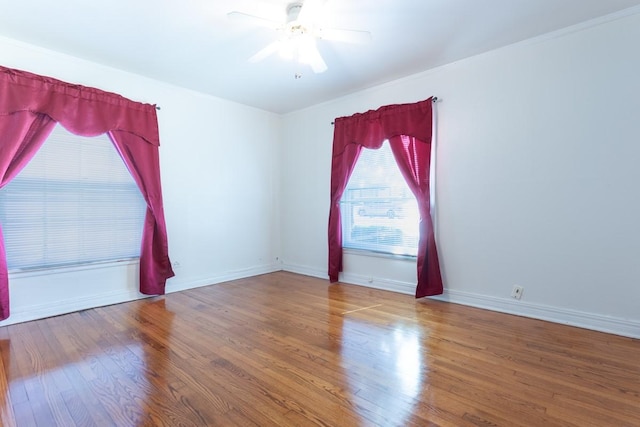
<point x="101" y="372"/>
<point x="397" y="352"/>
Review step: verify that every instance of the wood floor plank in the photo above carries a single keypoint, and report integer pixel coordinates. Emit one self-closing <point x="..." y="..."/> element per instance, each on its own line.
<point x="288" y="350"/>
<point x="7" y="415"/>
<point x="220" y="398"/>
<point x="150" y="369"/>
<point x="87" y="409"/>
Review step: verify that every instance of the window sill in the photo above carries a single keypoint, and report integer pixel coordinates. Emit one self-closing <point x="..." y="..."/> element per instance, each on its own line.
<point x="46" y="271"/>
<point x="374" y="254"/>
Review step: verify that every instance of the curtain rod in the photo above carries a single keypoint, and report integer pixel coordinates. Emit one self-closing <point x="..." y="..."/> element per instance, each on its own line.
<point x="433" y="99"/>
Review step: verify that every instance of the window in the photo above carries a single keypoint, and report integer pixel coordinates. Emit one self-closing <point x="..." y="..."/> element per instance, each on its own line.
<point x="74" y="203"/>
<point x="379" y="211"/>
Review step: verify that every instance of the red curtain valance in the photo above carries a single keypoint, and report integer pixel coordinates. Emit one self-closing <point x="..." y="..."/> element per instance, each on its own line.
<point x="370" y="129"/>
<point x="30" y="106"/>
<point x="81" y="110"/>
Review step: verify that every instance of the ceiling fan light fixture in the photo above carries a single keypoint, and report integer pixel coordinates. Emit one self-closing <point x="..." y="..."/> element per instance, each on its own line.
<point x="299" y="34"/>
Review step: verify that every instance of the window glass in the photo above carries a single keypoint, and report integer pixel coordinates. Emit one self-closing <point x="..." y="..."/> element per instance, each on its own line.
<point x="74" y="203"/>
<point x="379" y="211"/>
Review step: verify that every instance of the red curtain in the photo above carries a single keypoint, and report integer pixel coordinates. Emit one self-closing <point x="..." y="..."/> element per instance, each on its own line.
<point x="408" y="127"/>
<point x="30" y="106"/>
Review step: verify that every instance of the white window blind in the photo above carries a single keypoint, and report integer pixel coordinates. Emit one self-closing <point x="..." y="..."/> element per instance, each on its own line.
<point x="74" y="203"/>
<point x="379" y="211"/>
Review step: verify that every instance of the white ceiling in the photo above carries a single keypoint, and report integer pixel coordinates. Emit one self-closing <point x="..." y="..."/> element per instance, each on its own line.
<point x="192" y="43"/>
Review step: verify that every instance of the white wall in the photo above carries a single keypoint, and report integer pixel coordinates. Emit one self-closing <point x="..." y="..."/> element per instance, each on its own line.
<point x="219" y="170"/>
<point x="537" y="178"/>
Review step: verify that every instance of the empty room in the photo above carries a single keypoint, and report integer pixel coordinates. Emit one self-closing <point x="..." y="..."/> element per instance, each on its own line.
<point x="320" y="213"/>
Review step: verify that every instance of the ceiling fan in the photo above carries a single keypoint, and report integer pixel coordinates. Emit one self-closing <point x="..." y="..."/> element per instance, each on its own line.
<point x="299" y="34"/>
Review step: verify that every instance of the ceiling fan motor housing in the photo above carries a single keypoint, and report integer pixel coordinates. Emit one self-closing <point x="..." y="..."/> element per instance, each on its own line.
<point x="293" y="11"/>
<point x="293" y="26"/>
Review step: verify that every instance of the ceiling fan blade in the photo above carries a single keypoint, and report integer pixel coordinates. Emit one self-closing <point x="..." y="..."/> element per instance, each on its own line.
<point x="318" y="65"/>
<point x="253" y="20"/>
<point x="310" y="12"/>
<point x="346" y="36"/>
<point x="270" y="49"/>
<point x="311" y="56"/>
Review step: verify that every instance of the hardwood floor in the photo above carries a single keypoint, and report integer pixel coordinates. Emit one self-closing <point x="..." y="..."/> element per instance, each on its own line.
<point x="289" y="350"/>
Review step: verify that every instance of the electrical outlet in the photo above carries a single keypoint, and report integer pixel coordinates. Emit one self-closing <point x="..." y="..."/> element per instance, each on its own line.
<point x="517" y="292"/>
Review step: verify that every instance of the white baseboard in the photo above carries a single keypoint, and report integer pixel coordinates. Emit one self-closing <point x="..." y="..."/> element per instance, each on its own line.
<point x="305" y="271"/>
<point x="175" y="285"/>
<point x="41" y="311"/>
<point x="383" y="284"/>
<point x="580" y="319"/>
<point x="596" y="322"/>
